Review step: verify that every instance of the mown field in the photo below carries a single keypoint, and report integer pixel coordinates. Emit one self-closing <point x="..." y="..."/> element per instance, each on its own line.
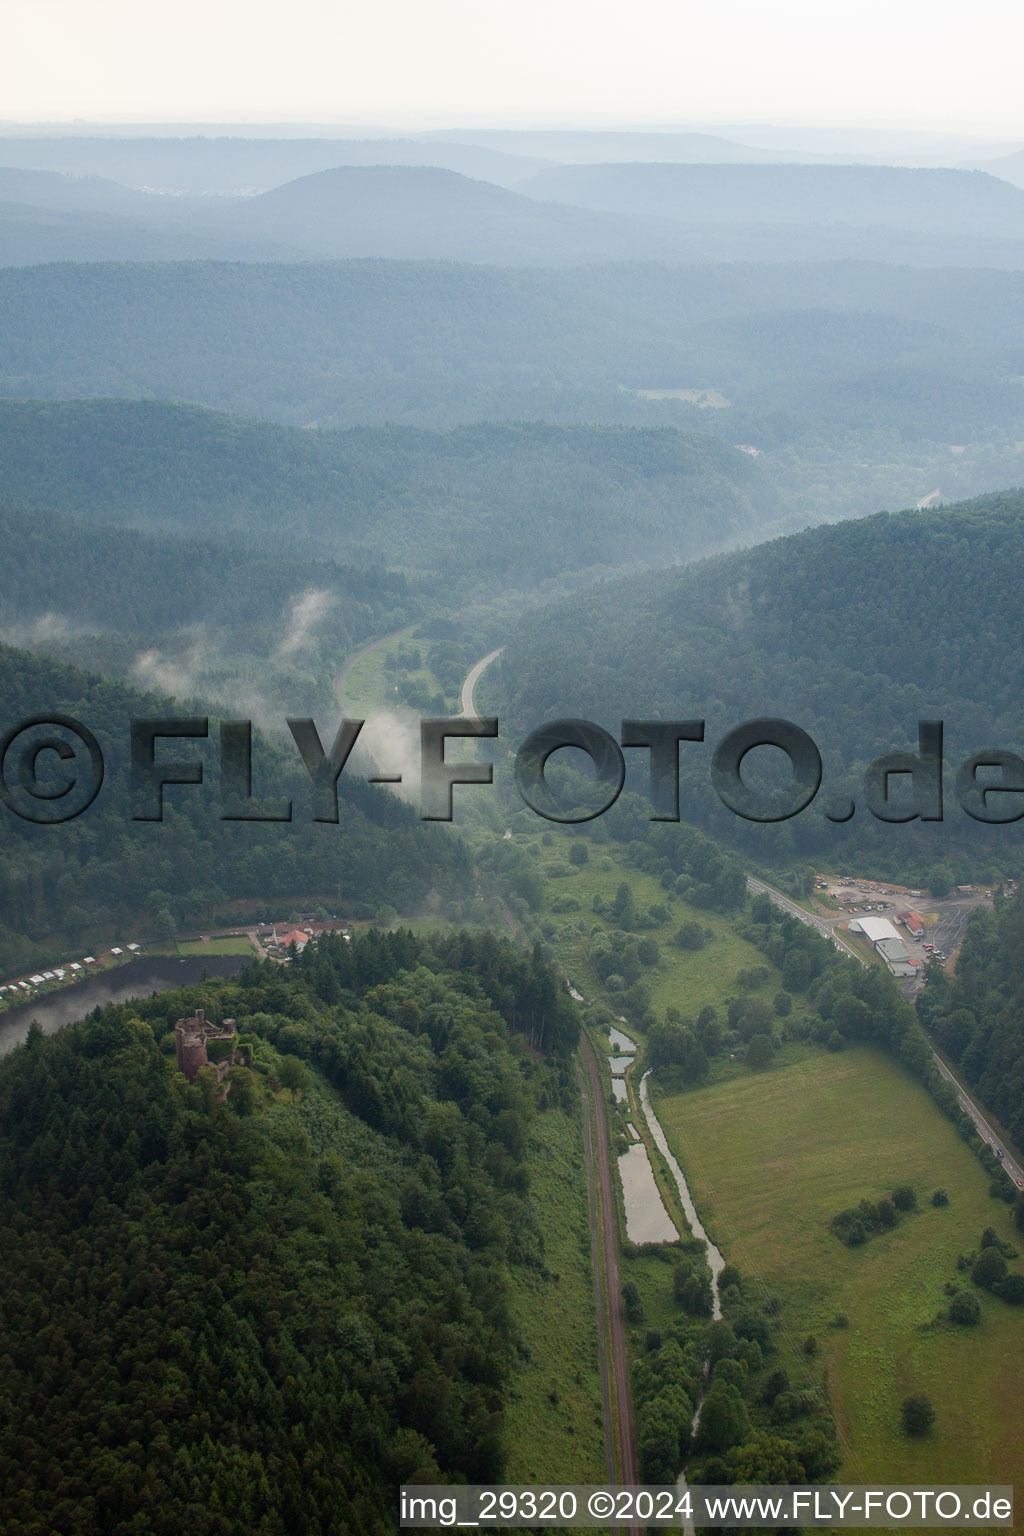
<point x="554" y="1424"/>
<point x="231" y="944"/>
<point x="770" y="1159"/>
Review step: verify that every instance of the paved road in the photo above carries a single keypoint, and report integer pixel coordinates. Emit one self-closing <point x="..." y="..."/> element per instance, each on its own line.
<point x="824" y="925"/>
<point x="984" y="1130"/>
<point x="468" y="711"/>
<point x="956" y="917"/>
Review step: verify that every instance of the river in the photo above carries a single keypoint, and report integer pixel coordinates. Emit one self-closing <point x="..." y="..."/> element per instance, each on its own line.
<point x="137" y="978"/>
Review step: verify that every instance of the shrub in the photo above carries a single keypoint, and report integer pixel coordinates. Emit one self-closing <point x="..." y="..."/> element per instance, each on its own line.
<point x="690" y="936"/>
<point x="918" y="1414"/>
<point x="887" y="1216"/>
<point x="989" y="1268"/>
<point x="940" y="1197"/>
<point x="965" y="1308"/>
<point x="1011" y="1290"/>
<point x="777" y="1382"/>
<point x="634" y="1301"/>
<point x="904" y="1198"/>
<point x="759" y="1052"/>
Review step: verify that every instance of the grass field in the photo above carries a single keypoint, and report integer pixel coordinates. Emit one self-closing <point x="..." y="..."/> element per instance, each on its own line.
<point x="685" y="979"/>
<point x="366" y="689"/>
<point x="554" y="1426"/>
<point x="770" y="1159"/>
<point x="234" y="945"/>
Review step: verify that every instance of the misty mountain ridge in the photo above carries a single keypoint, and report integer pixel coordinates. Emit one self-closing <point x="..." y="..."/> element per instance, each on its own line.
<point x="223" y="165"/>
<point x="867" y="196"/>
<point x="563" y="215"/>
<point x="413" y="213"/>
<point x="520" y="501"/>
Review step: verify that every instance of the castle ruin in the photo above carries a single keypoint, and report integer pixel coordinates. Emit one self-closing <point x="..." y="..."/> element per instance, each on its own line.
<point x="190" y="1040"/>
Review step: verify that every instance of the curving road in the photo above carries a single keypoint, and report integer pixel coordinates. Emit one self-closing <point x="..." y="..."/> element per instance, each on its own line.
<point x="468" y="710"/>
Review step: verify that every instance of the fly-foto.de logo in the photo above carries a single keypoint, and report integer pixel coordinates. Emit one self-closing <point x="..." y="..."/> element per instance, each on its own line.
<point x="52" y="769"/>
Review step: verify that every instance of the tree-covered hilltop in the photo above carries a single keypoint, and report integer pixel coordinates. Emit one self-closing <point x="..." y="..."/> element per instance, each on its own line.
<point x="253" y="630"/>
<point x="521" y="501"/>
<point x="144" y="583"/>
<point x="793" y="348"/>
<point x="62" y="884"/>
<point x="854" y="632"/>
<point x="854" y="380"/>
<point x="257" y="1316"/>
<point x="977" y="1016"/>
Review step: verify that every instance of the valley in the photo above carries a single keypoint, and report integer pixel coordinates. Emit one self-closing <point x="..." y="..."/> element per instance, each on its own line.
<point x="616" y="1148"/>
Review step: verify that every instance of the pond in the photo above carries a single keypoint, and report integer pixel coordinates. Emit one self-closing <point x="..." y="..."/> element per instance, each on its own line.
<point x="647" y="1220"/>
<point x="716" y="1262"/>
<point x="139" y="978"/>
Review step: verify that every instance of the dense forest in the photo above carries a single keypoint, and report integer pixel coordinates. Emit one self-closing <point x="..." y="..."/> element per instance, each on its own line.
<point x="522" y="502"/>
<point x="263" y="1312"/>
<point x="104" y="873"/>
<point x="797" y="350"/>
<point x="854" y="632"/>
<point x="234" y="623"/>
<point x="976" y="1016"/>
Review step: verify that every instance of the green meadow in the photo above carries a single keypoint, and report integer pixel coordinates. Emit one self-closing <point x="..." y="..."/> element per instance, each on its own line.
<point x="685" y="979"/>
<point x="554" y="1424"/>
<point x="770" y="1159"/>
<point x="231" y="944"/>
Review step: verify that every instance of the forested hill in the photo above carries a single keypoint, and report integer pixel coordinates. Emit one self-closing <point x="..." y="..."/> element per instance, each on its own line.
<point x="871" y="196"/>
<point x="854" y="632"/>
<point x="977" y="1016"/>
<point x="575" y="214"/>
<point x="523" y="501"/>
<point x="104" y="874"/>
<point x="764" y="356"/>
<point x="435" y="344"/>
<point x="265" y="1314"/>
<point x="145" y="584"/>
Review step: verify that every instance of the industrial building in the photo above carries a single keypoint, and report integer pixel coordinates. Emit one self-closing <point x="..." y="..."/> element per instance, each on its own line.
<point x="886" y="941"/>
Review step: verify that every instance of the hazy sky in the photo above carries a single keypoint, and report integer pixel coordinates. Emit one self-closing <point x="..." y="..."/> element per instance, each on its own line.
<point x="444" y="62"/>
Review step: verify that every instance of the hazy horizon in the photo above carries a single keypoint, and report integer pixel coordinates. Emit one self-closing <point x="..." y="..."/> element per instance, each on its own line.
<point x="572" y="65"/>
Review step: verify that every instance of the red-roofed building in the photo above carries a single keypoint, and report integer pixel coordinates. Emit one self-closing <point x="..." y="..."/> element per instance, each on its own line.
<point x="288" y="936"/>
